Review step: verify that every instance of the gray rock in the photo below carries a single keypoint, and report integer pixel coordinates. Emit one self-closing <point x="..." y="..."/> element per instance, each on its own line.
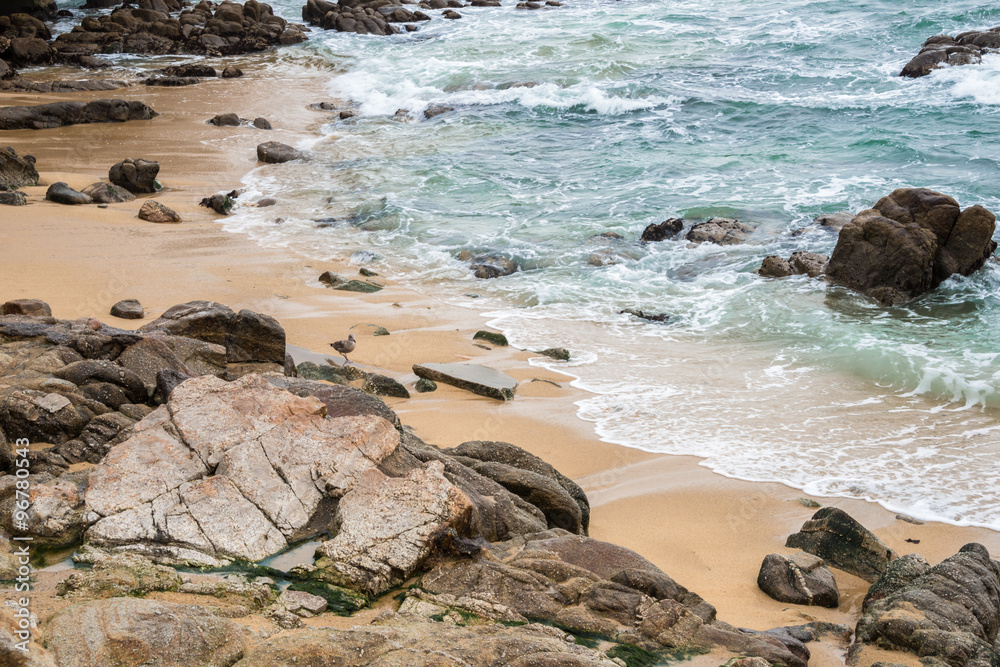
<point x="135" y="175"/>
<point x="273" y="152"/>
<point x="470" y="377"/>
<point x="301" y="603"/>
<point x="128" y="309"/>
<point x="60" y="114"/>
<point x="721" y="231"/>
<point x="13" y="199"/>
<point x="61" y="193"/>
<point x="15" y="170"/>
<point x="108" y="193"/>
<point x="135" y="631"/>
<point x="382" y="385"/>
<point x="833" y="535"/>
<point x="798" y="579"/>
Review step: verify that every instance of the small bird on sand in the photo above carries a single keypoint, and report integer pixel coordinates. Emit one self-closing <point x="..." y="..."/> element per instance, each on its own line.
<point x="344" y="346"/>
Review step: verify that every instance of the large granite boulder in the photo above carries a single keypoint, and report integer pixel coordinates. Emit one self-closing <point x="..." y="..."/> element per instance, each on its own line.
<point x="837" y="538"/>
<point x="59" y="114"/>
<point x="133" y="631"/>
<point x="229" y="471"/>
<point x="16" y="171"/>
<point x="948" y="614"/>
<point x="910" y="242"/>
<point x="799" y="579"/>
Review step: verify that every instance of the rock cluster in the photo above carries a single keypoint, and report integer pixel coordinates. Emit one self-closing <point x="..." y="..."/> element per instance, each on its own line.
<point x="224" y="29"/>
<point x="964" y="49"/>
<point x="365" y="17"/>
<point x="910" y="242"/>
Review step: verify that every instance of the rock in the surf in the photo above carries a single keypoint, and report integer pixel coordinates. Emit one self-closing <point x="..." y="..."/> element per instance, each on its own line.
<point x="721" y="231"/>
<point x="940" y="50"/>
<point x="948" y="614"/>
<point x="837" y="538"/>
<point x="60" y="193"/>
<point x="154" y="211"/>
<point x="274" y="152"/>
<point x="135" y="175"/>
<point x="801" y="578"/>
<point x="910" y="242"/>
<point x="364" y="17"/>
<point x="800" y="263"/>
<point x="661" y="231"/>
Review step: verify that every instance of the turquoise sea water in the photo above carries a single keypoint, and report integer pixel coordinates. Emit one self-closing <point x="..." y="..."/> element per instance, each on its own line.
<point x="604" y="116"/>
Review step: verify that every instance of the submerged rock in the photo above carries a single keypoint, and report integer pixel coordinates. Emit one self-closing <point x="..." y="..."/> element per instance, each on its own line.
<point x="833" y="535"/>
<point x="909" y="243"/>
<point x="478" y="379"/>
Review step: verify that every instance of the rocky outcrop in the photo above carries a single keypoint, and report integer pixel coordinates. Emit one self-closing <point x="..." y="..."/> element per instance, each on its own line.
<point x="940" y="50"/>
<point x="798" y="579"/>
<point x="230" y="471"/>
<point x="721" y="231"/>
<point x="910" y="242"/>
<point x="587" y="586"/>
<point x="364" y="17"/>
<point x="833" y="535"/>
<point x="800" y="263"/>
<point x="16" y="171"/>
<point x="946" y="614"/>
<point x="225" y="29"/>
<point x="478" y="379"/>
<point x="135" y="175"/>
<point x="59" y="114"/>
<point x="135" y="631"/>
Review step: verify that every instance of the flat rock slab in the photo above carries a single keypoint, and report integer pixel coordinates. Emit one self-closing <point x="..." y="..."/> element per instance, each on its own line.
<point x="480" y="380"/>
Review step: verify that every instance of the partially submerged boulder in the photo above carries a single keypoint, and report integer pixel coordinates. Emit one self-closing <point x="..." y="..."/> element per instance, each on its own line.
<point x="661" y="231"/>
<point x="938" y="51"/>
<point x="721" y="231"/>
<point x="909" y="243"/>
<point x="837" y="538"/>
<point x="800" y="263"/>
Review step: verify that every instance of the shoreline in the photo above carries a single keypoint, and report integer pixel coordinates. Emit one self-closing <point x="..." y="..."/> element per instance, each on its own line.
<point x="707" y="531"/>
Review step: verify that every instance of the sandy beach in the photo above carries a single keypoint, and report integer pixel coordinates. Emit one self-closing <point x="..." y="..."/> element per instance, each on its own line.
<point x="707" y="532"/>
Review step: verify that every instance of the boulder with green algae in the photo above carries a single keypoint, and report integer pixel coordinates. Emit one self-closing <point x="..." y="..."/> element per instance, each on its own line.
<point x="383" y="385"/>
<point x="557" y="353"/>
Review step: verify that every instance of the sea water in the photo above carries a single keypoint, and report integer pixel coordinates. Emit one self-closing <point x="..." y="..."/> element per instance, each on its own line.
<point x="605" y="116"/>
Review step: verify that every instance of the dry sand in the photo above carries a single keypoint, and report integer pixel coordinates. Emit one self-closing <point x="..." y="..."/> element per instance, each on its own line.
<point x="708" y="532"/>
